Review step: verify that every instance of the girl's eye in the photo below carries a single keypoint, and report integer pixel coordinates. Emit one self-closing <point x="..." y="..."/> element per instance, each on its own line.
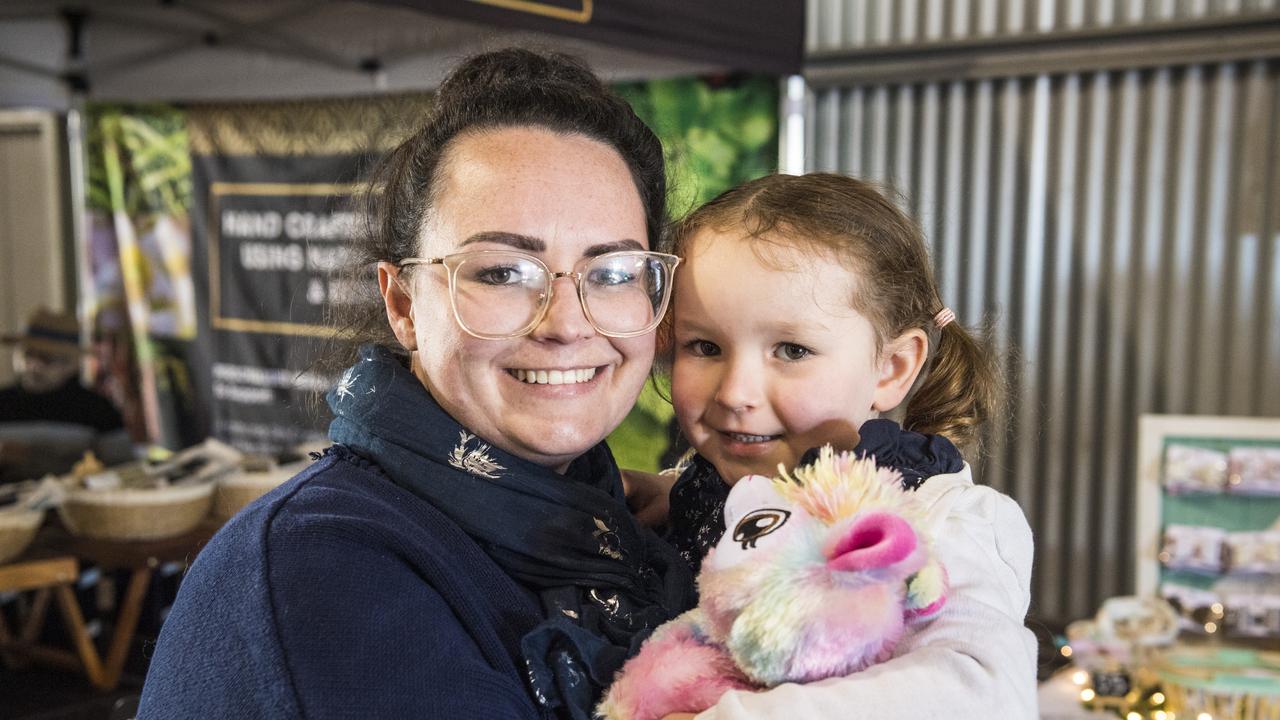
<point x="703" y="348"/>
<point x="792" y="351"/>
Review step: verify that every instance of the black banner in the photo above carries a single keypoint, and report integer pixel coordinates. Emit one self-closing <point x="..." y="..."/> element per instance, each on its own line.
<point x="276" y="230"/>
<point x="274" y="218"/>
<point x="751" y="35"/>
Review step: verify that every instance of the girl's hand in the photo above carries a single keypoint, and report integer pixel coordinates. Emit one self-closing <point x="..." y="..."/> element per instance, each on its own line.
<point x="680" y="716"/>
<point x="648" y="496"/>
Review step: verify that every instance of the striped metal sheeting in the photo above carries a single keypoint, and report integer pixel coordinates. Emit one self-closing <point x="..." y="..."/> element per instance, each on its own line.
<point x="849" y="24"/>
<point x="1122" y="228"/>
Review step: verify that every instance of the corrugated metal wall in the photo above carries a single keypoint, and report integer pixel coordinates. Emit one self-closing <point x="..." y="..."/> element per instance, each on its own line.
<point x="844" y="24"/>
<point x="1122" y="227"/>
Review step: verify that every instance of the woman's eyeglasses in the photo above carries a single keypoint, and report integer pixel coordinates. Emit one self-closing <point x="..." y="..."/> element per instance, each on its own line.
<point x="500" y="294"/>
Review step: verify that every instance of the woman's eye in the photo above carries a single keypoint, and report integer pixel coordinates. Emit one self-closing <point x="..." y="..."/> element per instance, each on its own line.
<point x="498" y="275"/>
<point x="758" y="523"/>
<point x="703" y="348"/>
<point x="791" y="351"/>
<point x="611" y="276"/>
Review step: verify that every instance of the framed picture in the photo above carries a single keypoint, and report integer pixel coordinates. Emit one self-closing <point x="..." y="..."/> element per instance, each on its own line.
<point x="1206" y="486"/>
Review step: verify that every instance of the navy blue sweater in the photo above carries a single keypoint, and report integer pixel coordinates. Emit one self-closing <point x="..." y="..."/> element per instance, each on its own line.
<point x="341" y="595"/>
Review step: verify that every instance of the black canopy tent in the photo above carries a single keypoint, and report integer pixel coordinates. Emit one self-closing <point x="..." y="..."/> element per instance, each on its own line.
<point x="760" y="35"/>
<point x="53" y="54"/>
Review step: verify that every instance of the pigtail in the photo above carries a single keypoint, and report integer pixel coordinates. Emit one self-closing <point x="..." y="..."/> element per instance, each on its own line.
<point x="962" y="390"/>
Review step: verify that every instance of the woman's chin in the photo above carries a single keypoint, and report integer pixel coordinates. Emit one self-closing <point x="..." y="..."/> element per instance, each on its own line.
<point x="554" y="442"/>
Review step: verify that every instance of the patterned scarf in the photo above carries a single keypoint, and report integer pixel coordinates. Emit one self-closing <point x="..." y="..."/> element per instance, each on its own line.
<point x="696" y="519"/>
<point x="604" y="582"/>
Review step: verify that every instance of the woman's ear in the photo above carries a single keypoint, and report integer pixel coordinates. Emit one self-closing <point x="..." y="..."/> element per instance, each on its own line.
<point x="903" y="359"/>
<point x="399" y="305"/>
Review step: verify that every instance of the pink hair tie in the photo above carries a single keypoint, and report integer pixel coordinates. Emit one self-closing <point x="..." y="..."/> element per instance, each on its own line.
<point x="944" y="317"/>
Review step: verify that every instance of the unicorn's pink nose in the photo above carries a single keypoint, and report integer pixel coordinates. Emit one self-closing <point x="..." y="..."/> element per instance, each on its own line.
<point x="874" y="541"/>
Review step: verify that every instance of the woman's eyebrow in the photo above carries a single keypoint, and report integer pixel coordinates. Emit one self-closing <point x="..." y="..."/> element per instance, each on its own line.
<point x="603" y="248"/>
<point x="528" y="243"/>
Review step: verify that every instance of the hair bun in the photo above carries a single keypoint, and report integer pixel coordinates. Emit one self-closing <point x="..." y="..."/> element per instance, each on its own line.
<point x="518" y="69"/>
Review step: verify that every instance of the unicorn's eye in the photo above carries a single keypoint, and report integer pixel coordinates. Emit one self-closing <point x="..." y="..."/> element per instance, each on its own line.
<point x="758" y="523"/>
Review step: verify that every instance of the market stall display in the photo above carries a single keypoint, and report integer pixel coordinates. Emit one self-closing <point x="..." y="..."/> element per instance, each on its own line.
<point x="1115" y="652"/>
<point x="256" y="475"/>
<point x="142" y="500"/>
<point x="22" y="508"/>
<point x="17" y="528"/>
<point x="1222" y="682"/>
<point x="1216" y="503"/>
<point x="137" y="518"/>
<point x="1199" y="639"/>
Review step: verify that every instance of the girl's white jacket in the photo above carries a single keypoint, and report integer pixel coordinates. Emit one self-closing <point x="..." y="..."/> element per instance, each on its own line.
<point x="975" y="659"/>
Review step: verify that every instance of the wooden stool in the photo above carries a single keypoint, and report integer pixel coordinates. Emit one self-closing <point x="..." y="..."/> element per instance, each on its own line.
<point x="49" y="576"/>
<point x="51" y="566"/>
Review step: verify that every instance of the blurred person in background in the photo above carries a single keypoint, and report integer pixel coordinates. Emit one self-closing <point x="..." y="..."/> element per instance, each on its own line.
<point x="48" y="420"/>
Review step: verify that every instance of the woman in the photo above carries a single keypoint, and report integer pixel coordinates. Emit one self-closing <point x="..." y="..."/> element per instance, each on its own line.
<point x="464" y="550"/>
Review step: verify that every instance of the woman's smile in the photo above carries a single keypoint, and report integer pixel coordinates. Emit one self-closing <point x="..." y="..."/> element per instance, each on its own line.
<point x="554" y="376"/>
<point x="562" y="382"/>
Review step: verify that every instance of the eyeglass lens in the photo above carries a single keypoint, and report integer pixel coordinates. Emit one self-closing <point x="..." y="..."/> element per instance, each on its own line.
<point x="499" y="294"/>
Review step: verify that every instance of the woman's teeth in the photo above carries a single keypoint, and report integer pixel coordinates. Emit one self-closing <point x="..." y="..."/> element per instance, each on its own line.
<point x="554" y="377"/>
<point x="744" y="438"/>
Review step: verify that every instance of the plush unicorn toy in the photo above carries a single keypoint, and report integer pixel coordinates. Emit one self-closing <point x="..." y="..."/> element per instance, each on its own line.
<point x="817" y="575"/>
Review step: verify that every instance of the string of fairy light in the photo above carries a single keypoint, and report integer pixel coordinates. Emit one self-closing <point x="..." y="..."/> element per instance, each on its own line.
<point x="1140" y="704"/>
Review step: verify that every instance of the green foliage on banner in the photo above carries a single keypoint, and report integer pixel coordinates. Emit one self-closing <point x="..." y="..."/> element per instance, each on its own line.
<point x="139" y="194"/>
<point x="151" y="165"/>
<point x="640" y="440"/>
<point x="714" y="137"/>
<point x="138" y="241"/>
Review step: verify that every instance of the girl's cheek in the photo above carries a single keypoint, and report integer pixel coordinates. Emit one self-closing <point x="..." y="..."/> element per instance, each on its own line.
<point x="810" y="406"/>
<point x="683" y="387"/>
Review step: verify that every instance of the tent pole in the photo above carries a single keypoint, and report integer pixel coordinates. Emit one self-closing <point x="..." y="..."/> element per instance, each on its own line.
<point x="792" y="124"/>
<point x="77" y="87"/>
<point x="86" y="293"/>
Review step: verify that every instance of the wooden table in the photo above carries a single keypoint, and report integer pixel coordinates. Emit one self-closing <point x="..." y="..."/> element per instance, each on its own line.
<point x="53" y="575"/>
<point x="51" y="565"/>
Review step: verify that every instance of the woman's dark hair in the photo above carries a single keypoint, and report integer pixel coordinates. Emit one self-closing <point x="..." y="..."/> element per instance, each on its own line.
<point x="854" y="222"/>
<point x="514" y="87"/>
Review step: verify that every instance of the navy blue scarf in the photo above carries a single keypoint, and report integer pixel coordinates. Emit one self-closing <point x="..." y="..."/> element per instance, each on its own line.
<point x="696" y="519"/>
<point x="604" y="582"/>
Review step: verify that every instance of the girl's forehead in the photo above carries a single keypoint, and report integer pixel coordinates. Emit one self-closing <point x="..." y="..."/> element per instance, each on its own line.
<point x="768" y="262"/>
<point x="774" y="251"/>
<point x="727" y="288"/>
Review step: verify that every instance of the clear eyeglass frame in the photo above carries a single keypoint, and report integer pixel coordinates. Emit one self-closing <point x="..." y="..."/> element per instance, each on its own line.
<point x="452" y="262"/>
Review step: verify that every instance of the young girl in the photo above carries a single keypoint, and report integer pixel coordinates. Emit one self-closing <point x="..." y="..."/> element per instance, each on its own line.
<point x="806" y="308"/>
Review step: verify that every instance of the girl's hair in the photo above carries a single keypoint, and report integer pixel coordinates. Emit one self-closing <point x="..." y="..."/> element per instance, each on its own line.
<point x="514" y="87"/>
<point x="852" y="221"/>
